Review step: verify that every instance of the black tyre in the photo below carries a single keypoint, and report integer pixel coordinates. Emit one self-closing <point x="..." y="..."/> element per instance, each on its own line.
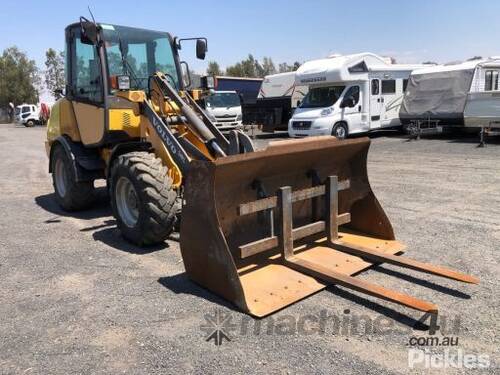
<point x="340" y="130"/>
<point x="30" y="123"/>
<point x="70" y="195"/>
<point x="143" y="198"/>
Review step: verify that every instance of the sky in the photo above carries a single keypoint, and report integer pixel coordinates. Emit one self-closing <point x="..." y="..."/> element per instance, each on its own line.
<point x="287" y="31"/>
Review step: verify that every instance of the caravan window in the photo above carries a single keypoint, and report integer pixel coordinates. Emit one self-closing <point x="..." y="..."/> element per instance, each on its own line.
<point x="491" y="80"/>
<point x="405" y="84"/>
<point x="388" y="86"/>
<point x="375" y="87"/>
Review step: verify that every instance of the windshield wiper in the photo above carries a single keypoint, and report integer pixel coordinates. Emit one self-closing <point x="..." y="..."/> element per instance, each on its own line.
<point x="126" y="64"/>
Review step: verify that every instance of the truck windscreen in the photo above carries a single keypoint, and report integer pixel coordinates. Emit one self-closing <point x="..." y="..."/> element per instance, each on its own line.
<point x="223" y="100"/>
<point x="319" y="97"/>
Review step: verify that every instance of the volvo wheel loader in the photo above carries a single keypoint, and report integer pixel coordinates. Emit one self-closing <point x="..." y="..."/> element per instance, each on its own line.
<point x="262" y="229"/>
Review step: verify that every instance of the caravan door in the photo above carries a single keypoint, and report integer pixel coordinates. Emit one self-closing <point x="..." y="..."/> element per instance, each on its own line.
<point x="376" y="103"/>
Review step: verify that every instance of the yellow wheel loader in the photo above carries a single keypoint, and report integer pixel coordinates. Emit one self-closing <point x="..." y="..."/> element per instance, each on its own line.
<point x="264" y="228"/>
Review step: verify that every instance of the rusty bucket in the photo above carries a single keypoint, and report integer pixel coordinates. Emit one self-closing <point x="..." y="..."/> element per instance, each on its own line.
<point x="266" y="229"/>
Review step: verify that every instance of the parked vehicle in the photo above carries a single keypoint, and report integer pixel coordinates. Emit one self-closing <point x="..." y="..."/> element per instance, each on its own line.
<point x="224" y="109"/>
<point x="27" y="115"/>
<point x="458" y="95"/>
<point x="349" y="94"/>
<point x="246" y="88"/>
<point x="278" y="98"/>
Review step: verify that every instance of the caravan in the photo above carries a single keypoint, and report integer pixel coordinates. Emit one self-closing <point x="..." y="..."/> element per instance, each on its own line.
<point x="349" y="95"/>
<point x="455" y="95"/>
<point x="277" y="100"/>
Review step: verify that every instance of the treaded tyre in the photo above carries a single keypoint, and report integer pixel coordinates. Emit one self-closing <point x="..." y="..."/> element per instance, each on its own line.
<point x="143" y="198"/>
<point x="340" y="130"/>
<point x="70" y="195"/>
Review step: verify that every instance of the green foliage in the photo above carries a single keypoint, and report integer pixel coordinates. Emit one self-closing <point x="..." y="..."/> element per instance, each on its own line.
<point x="19" y="78"/>
<point x="54" y="73"/>
<point x="251" y="67"/>
<point x="214" y="69"/>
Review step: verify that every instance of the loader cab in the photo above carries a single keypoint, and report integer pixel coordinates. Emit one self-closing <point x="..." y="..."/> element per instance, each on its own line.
<point x="102" y="60"/>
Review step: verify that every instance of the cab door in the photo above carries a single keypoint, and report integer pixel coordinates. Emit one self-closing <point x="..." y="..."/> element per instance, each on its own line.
<point x="86" y="89"/>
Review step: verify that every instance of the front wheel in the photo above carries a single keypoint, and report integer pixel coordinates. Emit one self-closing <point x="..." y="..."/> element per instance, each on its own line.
<point x="30" y="123"/>
<point x="143" y="198"/>
<point x="339" y="130"/>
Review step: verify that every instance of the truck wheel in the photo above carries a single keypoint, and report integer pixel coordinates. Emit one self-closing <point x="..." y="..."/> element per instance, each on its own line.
<point x="143" y="198"/>
<point x="70" y="195"/>
<point x="339" y="130"/>
<point x="29" y="123"/>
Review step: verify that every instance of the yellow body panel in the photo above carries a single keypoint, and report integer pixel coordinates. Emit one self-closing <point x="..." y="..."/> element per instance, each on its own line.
<point x="125" y="120"/>
<point x="62" y="121"/>
<point x="90" y="119"/>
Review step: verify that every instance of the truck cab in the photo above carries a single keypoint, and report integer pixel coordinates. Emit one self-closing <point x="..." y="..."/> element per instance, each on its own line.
<point x="27" y="115"/>
<point x="224" y="109"/>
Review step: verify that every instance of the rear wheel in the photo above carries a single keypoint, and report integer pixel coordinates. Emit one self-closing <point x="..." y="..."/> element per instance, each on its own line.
<point x="339" y="130"/>
<point x="70" y="194"/>
<point x="30" y="123"/>
<point x="143" y="198"/>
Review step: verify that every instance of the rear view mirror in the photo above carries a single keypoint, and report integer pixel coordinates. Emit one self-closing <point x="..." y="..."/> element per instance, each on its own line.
<point x="347" y="102"/>
<point x="88" y="31"/>
<point x="201" y="48"/>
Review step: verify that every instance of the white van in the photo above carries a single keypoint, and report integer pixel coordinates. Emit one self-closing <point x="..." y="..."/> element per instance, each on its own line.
<point x="349" y="94"/>
<point x="224" y="109"/>
<point x="27" y="115"/>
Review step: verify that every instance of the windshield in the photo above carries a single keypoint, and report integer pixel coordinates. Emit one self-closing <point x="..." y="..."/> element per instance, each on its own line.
<point x="18" y="110"/>
<point x="229" y="99"/>
<point x="139" y="54"/>
<point x="322" y="96"/>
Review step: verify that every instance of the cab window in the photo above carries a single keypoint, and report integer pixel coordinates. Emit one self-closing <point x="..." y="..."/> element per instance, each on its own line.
<point x="353" y="92"/>
<point x="86" y="82"/>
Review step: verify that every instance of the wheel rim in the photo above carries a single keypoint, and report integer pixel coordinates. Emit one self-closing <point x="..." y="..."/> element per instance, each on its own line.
<point x="127" y="202"/>
<point x="340" y="132"/>
<point x="60" y="177"/>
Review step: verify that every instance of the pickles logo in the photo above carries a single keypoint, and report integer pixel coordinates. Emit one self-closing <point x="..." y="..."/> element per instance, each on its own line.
<point x="218" y="326"/>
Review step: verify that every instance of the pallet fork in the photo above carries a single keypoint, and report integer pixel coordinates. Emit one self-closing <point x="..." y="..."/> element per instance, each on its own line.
<point x="277" y="249"/>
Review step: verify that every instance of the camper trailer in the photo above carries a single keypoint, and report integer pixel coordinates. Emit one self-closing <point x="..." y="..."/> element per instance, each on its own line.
<point x="349" y="94"/>
<point x="278" y="97"/>
<point x="457" y="95"/>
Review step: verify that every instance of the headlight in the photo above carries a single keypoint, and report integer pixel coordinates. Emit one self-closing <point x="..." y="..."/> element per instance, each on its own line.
<point x="210" y="116"/>
<point x="239" y="117"/>
<point x="326" y="112"/>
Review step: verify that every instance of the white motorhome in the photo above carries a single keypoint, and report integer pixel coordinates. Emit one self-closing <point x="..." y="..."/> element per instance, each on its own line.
<point x="278" y="97"/>
<point x="224" y="109"/>
<point x="349" y="94"/>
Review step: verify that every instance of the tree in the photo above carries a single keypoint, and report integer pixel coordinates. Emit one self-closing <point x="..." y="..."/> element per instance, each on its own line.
<point x="214" y="69"/>
<point x="268" y="66"/>
<point x="285" y="67"/>
<point x="54" y="74"/>
<point x="19" y="78"/>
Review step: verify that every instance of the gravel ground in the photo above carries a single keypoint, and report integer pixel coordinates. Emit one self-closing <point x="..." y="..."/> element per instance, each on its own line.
<point x="76" y="298"/>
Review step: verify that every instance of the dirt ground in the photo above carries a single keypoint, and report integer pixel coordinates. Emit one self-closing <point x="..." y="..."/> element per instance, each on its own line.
<point x="77" y="298"/>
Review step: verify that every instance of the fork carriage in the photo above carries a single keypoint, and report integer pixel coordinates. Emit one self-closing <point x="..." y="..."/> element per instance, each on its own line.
<point x="272" y="251"/>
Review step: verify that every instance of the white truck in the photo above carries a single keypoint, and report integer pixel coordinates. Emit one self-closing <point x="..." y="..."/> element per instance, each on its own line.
<point x="27" y="115"/>
<point x="349" y="94"/>
<point x="224" y="109"/>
